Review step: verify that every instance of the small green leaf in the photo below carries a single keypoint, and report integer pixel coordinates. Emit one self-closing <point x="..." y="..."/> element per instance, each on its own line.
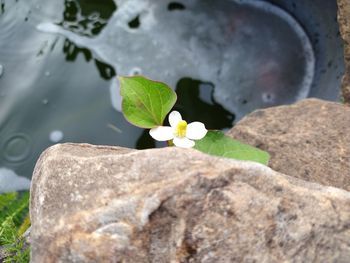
<point x="217" y="143"/>
<point x="145" y="103"/>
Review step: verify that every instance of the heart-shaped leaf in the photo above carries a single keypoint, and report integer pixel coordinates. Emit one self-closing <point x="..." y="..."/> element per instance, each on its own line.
<point x="217" y="143"/>
<point x="145" y="102"/>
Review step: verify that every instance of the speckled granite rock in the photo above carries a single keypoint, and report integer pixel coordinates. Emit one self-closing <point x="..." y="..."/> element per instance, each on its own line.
<point x="109" y="204"/>
<point x="309" y="140"/>
<point x="344" y="26"/>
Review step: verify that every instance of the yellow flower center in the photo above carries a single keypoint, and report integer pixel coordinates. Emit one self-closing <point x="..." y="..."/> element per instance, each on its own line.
<point x="180" y="130"/>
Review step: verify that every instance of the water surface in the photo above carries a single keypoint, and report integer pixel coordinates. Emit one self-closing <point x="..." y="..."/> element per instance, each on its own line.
<point x="59" y="61"/>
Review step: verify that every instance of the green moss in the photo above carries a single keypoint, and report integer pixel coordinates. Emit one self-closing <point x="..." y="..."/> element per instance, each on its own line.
<point x="14" y="221"/>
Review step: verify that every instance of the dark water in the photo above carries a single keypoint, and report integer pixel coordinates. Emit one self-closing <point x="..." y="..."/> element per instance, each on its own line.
<point x="59" y="61"/>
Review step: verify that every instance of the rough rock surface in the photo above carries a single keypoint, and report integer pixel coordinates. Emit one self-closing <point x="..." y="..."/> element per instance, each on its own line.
<point x="109" y="204"/>
<point x="344" y="26"/>
<point x="309" y="140"/>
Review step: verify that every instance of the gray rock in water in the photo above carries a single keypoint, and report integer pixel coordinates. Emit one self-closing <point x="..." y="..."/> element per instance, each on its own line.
<point x="308" y="140"/>
<point x="110" y="204"/>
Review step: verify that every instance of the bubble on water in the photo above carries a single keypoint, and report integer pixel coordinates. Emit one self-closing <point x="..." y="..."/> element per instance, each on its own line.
<point x="135" y="71"/>
<point x="56" y="136"/>
<point x="1" y="70"/>
<point x="10" y="181"/>
<point x="47" y="73"/>
<point x="45" y="101"/>
<point x="268" y="97"/>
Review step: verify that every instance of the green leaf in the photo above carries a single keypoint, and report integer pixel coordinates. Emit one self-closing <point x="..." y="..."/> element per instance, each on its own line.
<point x="217" y="143"/>
<point x="145" y="103"/>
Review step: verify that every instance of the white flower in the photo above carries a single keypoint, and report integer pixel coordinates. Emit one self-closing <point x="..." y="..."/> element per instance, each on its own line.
<point x="180" y="132"/>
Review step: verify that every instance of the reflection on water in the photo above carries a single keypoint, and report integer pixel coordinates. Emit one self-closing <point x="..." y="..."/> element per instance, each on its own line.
<point x="86" y="18"/>
<point x="196" y="103"/>
<point x="145" y="141"/>
<point x="71" y="52"/>
<point x="50" y="89"/>
<point x="59" y="59"/>
<point x="250" y="50"/>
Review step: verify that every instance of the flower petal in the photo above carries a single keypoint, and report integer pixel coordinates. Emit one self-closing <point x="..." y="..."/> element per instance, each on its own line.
<point x="196" y="130"/>
<point x="183" y="142"/>
<point x="174" y="118"/>
<point x="162" y="133"/>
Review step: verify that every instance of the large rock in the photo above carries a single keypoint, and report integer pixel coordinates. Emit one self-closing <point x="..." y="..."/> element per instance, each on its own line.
<point x="109" y="204"/>
<point x="344" y="26"/>
<point x="309" y="140"/>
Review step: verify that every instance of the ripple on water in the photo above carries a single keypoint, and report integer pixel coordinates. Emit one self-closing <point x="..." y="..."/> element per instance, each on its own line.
<point x="16" y="148"/>
<point x="58" y="79"/>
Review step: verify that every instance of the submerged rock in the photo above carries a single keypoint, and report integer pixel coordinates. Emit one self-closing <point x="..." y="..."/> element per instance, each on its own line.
<point x="110" y="204"/>
<point x="308" y="140"/>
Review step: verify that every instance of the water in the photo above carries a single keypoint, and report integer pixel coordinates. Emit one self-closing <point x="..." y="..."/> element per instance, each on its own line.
<point x="59" y="61"/>
<point x="142" y="37"/>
